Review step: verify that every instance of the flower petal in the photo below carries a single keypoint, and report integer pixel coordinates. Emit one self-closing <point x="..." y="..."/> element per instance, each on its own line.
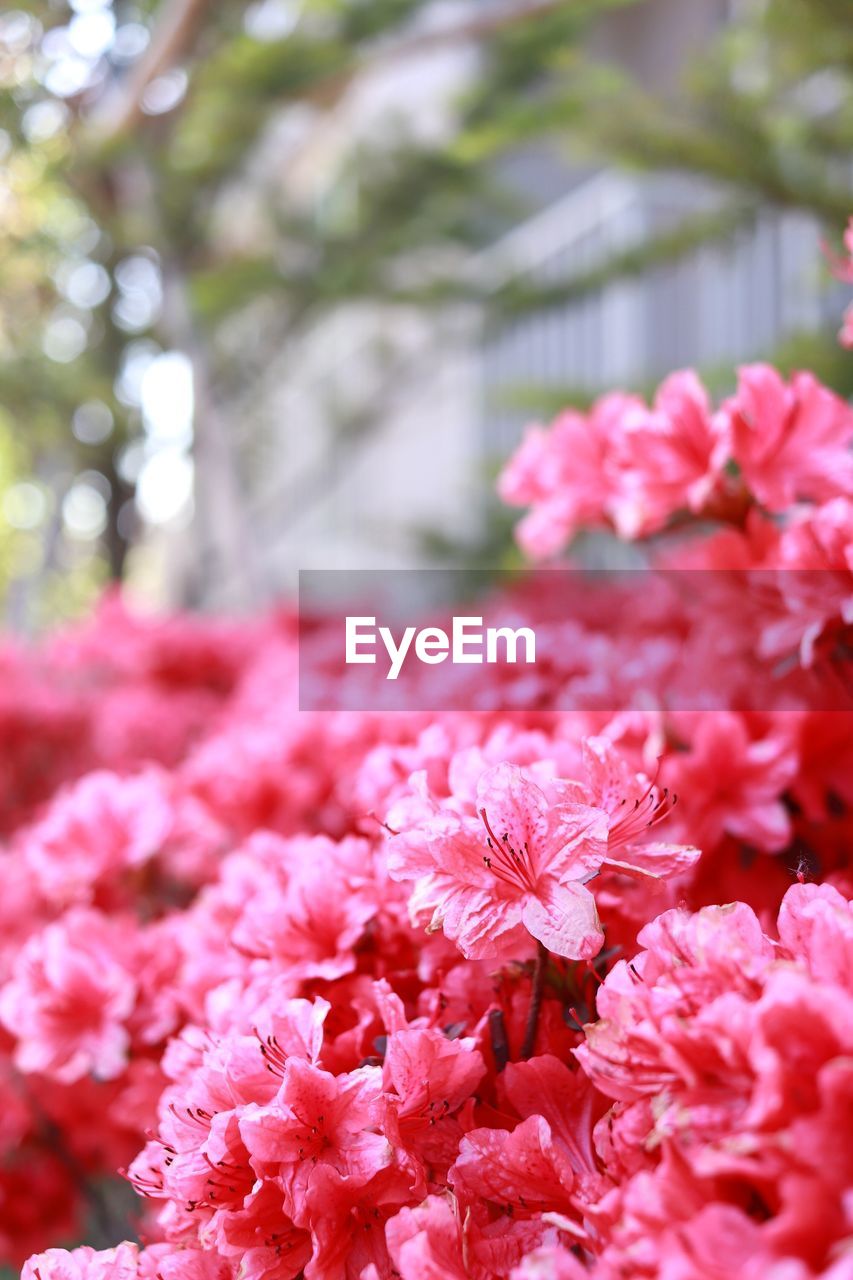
<point x="655" y="861"/>
<point x="564" y="919"/>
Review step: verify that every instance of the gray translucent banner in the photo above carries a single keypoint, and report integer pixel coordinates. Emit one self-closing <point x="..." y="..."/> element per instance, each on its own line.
<point x="571" y="640"/>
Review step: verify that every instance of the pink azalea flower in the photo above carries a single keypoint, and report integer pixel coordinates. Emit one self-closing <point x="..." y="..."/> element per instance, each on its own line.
<point x="182" y="1262"/>
<point x="304" y="926"/>
<point x="546" y="1087"/>
<point x="426" y="1243"/>
<point x="317" y="1119"/>
<point x="348" y="1220"/>
<point x="517" y="872"/>
<point x="816" y="924"/>
<point x="634" y="807"/>
<point x="199" y="1158"/>
<point x="522" y="1172"/>
<point x="566" y="475"/>
<point x="791" y="440"/>
<point x="552" y="1261"/>
<point x="670" y="457"/>
<point x="258" y="1238"/>
<point x="689" y="963"/>
<point x="102" y="826"/>
<point x="427" y="1080"/>
<point x="437" y="1241"/>
<point x="560" y="473"/>
<point x="815" y="578"/>
<point x="70" y="996"/>
<point x="732" y="782"/>
<point x="84" y="1263"/>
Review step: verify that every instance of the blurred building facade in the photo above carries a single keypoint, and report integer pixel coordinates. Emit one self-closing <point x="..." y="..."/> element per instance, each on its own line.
<point x="331" y="483"/>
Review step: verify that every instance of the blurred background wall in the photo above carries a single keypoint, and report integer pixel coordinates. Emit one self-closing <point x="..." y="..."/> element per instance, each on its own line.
<point x="283" y="281"/>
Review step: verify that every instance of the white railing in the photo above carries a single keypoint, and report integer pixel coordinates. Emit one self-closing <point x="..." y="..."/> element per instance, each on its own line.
<point x="715" y="306"/>
<point x="422" y="462"/>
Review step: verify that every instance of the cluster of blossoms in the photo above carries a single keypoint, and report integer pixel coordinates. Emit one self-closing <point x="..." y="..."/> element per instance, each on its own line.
<point x="772" y="447"/>
<point x="525" y="994"/>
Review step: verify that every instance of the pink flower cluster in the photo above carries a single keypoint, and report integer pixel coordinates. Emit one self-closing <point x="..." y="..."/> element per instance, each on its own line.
<point x="493" y="995"/>
<point x="639" y="469"/>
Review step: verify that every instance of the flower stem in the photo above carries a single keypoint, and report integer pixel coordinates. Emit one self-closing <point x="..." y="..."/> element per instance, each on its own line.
<point x="500" y="1044"/>
<point x="535" y="1001"/>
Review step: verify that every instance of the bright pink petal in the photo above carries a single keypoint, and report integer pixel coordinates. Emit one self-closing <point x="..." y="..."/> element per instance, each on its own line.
<point x="655" y="861"/>
<point x="565" y="920"/>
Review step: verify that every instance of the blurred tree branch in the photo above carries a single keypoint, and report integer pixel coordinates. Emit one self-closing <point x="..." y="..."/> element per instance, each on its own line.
<point x="177" y="26"/>
<point x="179" y="22"/>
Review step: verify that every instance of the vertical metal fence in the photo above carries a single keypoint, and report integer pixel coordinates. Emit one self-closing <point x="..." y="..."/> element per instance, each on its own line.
<point x="718" y="304"/>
